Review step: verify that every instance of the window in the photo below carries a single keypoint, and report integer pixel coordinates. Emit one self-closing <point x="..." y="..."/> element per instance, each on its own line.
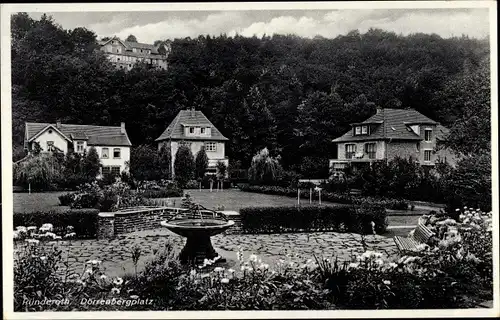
<point x="50" y="145"/>
<point x="428" y="135"/>
<point x="191" y="130"/>
<point x="364" y="130"/>
<point x="116" y="153"/>
<point x="79" y="146"/>
<point x="371" y="150"/>
<point x="202" y="130"/>
<point x="185" y="143"/>
<point x="427" y="155"/>
<point x="111" y="170"/>
<point x="418" y="147"/>
<point x="105" y="153"/>
<point x="358" y="130"/>
<point x="350" y="150"/>
<point x="211" y="146"/>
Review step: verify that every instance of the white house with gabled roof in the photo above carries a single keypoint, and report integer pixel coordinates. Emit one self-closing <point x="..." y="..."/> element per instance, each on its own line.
<point x="111" y="142"/>
<point x="192" y="128"/>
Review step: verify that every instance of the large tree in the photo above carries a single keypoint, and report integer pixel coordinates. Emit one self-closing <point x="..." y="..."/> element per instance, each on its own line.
<point x="144" y="163"/>
<point x="165" y="162"/>
<point x="91" y="165"/>
<point x="131" y="38"/>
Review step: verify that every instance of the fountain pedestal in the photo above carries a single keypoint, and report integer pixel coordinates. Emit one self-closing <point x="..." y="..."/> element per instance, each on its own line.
<point x="198" y="245"/>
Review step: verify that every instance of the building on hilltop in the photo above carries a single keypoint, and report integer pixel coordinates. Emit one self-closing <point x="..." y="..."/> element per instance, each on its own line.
<point x="111" y="142"/>
<point x="124" y="54"/>
<point x="192" y="128"/>
<point x="390" y="133"/>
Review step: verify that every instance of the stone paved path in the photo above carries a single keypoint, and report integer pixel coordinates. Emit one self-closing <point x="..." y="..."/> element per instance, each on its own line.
<point x="116" y="254"/>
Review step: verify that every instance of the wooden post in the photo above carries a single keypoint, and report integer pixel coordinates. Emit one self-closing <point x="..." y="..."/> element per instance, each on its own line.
<point x="298" y="196"/>
<point x="200" y="186"/>
<point x="319" y="196"/>
<point x="29" y="188"/>
<point x="211" y="182"/>
<point x="310" y="195"/>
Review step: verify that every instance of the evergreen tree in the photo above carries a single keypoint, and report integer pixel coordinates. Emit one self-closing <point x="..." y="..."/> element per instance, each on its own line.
<point x="91" y="165"/>
<point x="184" y="165"/>
<point x="201" y="163"/>
<point x="165" y="162"/>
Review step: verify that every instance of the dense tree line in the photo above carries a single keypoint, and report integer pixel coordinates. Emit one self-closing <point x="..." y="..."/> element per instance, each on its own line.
<point x="288" y="94"/>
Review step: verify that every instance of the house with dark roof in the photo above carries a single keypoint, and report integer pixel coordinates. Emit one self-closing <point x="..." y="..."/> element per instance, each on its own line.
<point x="111" y="142"/>
<point x="193" y="129"/>
<point x="124" y="54"/>
<point x="391" y="133"/>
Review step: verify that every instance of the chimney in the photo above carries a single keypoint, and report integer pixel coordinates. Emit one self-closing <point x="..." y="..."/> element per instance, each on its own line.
<point x="122" y="127"/>
<point x="379" y="109"/>
<point x="192" y="112"/>
<point x="58" y="124"/>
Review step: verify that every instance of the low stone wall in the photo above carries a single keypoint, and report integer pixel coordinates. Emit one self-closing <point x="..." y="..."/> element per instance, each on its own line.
<point x="110" y="224"/>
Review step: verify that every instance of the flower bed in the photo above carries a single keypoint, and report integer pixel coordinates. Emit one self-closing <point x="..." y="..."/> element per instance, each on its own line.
<point x="84" y="221"/>
<point x="313" y="218"/>
<point x="396" y="204"/>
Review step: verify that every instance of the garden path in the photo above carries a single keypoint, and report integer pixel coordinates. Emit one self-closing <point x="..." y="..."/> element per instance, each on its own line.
<point x="116" y="258"/>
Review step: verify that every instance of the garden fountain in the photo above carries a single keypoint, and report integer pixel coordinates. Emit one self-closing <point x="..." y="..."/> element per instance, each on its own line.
<point x="198" y="224"/>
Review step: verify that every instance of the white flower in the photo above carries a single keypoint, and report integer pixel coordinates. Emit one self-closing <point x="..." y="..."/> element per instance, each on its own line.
<point x="219" y="269"/>
<point x="33" y="241"/>
<point x="386" y="282"/>
<point x="253" y="258"/>
<point x="57" y="238"/>
<point x="115" y="291"/>
<point x="457" y="209"/>
<point x="43" y="258"/>
<point x="224" y="280"/>
<point x="192" y="273"/>
<point x="103" y="276"/>
<point x="94" y="262"/>
<point x="70" y="235"/>
<point x="230" y="270"/>
<point x="21" y="229"/>
<point x="392" y="265"/>
<point x="31" y="228"/>
<point x="16" y="235"/>
<point x="80" y="282"/>
<point x="264" y="266"/>
<point x="379" y="262"/>
<point x="353" y="265"/>
<point x="205" y="275"/>
<point x="118" y="281"/>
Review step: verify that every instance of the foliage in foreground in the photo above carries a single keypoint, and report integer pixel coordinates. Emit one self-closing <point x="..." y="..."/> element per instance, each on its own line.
<point x="453" y="272"/>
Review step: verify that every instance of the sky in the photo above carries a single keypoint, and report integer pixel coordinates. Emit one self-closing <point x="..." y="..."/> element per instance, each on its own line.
<point x="149" y="26"/>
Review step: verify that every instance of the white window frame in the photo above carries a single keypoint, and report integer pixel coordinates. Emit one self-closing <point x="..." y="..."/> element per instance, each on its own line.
<point x="191" y="130"/>
<point x="364" y="129"/>
<point x="103" y="153"/>
<point x="78" y="144"/>
<point x="50" y="145"/>
<point x="374" y="152"/>
<point x="211" y="146"/>
<point x="357" y="130"/>
<point x="428" y="151"/>
<point x="202" y="130"/>
<point x="119" y="153"/>
<point x="352" y="153"/>
<point x="425" y="134"/>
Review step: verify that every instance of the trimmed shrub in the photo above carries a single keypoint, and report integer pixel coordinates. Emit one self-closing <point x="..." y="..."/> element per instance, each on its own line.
<point x="84" y="221"/>
<point x="313" y="218"/>
<point x="66" y="199"/>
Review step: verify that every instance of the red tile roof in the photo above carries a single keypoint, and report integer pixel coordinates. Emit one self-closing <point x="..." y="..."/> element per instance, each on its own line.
<point x="96" y="135"/>
<point x="391" y="124"/>
<point x="190" y="118"/>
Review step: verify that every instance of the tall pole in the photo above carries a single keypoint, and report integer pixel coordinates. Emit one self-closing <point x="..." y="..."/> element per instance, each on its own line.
<point x="319" y="196"/>
<point x="298" y="196"/>
<point x="310" y="195"/>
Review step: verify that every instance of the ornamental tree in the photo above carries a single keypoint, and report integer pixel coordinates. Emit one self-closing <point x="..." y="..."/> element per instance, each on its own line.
<point x="201" y="163"/>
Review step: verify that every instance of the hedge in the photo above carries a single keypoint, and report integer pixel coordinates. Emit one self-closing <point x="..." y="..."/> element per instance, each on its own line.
<point x="84" y="221"/>
<point x="395" y="204"/>
<point x="313" y="218"/>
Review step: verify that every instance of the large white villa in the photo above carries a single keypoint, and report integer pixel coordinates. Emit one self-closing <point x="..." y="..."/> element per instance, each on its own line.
<point x="111" y="142"/>
<point x="192" y="128"/>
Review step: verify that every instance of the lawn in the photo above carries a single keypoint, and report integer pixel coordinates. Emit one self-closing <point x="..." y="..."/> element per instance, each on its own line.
<point x="231" y="199"/>
<point x="44" y="201"/>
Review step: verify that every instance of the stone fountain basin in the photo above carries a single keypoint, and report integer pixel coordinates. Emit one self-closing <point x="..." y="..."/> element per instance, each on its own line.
<point x="197" y="227"/>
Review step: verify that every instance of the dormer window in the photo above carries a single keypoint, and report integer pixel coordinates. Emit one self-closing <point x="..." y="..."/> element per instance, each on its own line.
<point x="79" y="146"/>
<point x="360" y="130"/>
<point x="191" y="130"/>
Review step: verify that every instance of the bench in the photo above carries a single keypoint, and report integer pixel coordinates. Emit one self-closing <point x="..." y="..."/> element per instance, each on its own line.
<point x="421" y="235"/>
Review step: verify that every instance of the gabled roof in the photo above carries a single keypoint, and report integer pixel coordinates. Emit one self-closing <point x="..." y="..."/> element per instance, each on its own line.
<point x="129" y="45"/>
<point x="190" y="118"/>
<point x="95" y="135"/>
<point x="390" y="124"/>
